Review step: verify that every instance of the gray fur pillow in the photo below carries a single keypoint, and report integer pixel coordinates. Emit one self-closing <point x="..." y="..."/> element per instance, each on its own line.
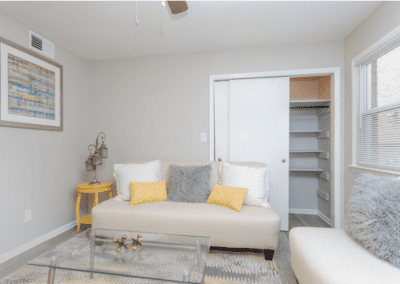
<point x="189" y="183"/>
<point x="373" y="216"/>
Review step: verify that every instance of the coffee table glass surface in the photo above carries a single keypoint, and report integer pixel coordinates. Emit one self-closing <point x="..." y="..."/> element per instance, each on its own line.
<point x="172" y="258"/>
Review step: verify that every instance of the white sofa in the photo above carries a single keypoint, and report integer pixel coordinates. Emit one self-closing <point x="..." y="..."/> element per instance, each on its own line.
<point x="328" y="256"/>
<point x="252" y="228"/>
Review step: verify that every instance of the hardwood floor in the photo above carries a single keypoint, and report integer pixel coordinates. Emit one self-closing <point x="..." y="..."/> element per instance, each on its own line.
<point x="281" y="256"/>
<point x="303" y="220"/>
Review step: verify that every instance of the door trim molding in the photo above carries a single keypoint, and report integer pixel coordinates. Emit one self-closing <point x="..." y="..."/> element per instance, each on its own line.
<point x="337" y="125"/>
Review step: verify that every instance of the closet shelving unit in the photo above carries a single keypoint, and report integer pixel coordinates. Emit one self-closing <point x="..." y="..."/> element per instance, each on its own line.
<point x="306" y="170"/>
<point x="309" y="105"/>
<point x="314" y="104"/>
<point x="309" y="154"/>
<point x="305" y="131"/>
<point x="306" y="151"/>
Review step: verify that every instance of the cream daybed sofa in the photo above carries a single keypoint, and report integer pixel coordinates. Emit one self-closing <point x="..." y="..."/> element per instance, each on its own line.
<point x="329" y="256"/>
<point x="253" y="228"/>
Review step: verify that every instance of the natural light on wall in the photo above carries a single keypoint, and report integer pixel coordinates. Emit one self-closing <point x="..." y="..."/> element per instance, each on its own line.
<point x="378" y="125"/>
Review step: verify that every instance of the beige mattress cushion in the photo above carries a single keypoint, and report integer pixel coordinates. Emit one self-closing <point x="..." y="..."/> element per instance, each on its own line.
<point x="253" y="227"/>
<point x="322" y="256"/>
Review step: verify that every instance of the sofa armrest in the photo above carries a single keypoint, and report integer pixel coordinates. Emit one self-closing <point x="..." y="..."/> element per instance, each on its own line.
<point x="322" y="255"/>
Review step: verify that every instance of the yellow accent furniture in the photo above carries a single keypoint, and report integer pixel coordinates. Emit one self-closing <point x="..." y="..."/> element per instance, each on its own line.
<point x="94" y="189"/>
<point x="147" y="192"/>
<point x="229" y="197"/>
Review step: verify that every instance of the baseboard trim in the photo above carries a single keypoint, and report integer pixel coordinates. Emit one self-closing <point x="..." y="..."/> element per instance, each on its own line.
<point x="323" y="217"/>
<point x="21" y="249"/>
<point x="303" y="211"/>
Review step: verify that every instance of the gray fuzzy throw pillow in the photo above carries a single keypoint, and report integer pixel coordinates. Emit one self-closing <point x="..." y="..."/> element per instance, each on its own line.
<point x="189" y="183"/>
<point x="373" y="216"/>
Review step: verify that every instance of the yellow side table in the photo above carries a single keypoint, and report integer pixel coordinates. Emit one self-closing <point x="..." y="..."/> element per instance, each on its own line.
<point x="95" y="189"/>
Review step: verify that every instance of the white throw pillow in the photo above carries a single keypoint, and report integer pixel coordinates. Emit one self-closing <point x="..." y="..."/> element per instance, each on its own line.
<point x="255" y="180"/>
<point x="124" y="173"/>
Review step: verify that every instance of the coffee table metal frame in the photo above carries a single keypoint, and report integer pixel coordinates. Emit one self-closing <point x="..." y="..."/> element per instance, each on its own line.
<point x="195" y="247"/>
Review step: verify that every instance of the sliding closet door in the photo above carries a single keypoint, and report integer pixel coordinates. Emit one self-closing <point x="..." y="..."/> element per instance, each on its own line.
<point x="221" y="120"/>
<point x="259" y="131"/>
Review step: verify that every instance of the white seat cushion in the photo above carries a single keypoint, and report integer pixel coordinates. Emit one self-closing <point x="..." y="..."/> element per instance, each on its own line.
<point x="322" y="256"/>
<point x="253" y="227"/>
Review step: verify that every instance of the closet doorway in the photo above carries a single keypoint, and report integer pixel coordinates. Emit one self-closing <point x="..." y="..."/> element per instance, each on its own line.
<point x="310" y="151"/>
<point x="274" y="117"/>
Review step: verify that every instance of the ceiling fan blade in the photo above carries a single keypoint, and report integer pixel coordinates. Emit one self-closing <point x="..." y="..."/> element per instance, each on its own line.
<point x="177" y="6"/>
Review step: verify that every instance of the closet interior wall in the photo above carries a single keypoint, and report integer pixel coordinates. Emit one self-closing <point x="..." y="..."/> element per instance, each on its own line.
<point x="324" y="162"/>
<point x="303" y="184"/>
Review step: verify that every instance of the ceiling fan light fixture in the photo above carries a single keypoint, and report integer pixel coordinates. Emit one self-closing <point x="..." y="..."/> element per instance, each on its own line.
<point x="177" y="6"/>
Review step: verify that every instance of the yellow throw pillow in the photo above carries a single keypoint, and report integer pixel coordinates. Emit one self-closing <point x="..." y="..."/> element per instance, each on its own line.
<point x="146" y="192"/>
<point x="226" y="196"/>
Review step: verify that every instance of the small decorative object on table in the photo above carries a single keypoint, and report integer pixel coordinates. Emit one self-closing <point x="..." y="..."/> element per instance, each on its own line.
<point x="135" y="243"/>
<point x="121" y="243"/>
<point x="96" y="159"/>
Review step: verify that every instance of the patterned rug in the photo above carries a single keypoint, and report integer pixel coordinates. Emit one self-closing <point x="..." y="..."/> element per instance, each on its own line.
<point x="221" y="267"/>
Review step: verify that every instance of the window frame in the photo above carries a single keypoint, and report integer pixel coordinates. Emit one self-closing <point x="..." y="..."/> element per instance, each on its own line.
<point x="371" y="51"/>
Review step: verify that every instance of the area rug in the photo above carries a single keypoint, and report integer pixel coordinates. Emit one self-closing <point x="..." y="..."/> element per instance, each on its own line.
<point x="221" y="267"/>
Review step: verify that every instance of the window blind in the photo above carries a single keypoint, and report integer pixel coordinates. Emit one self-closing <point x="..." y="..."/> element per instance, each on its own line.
<point x="378" y="125"/>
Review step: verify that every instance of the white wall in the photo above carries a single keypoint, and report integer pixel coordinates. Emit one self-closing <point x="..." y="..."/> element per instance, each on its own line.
<point x="155" y="107"/>
<point x="39" y="169"/>
<point x="381" y="21"/>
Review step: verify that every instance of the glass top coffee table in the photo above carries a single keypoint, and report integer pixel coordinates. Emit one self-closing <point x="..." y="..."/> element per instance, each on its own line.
<point x="171" y="258"/>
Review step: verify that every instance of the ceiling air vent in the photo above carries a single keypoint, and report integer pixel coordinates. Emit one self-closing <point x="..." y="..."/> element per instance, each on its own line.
<point x="41" y="45"/>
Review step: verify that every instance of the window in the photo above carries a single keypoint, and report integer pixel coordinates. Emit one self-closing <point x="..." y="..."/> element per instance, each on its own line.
<point x="378" y="119"/>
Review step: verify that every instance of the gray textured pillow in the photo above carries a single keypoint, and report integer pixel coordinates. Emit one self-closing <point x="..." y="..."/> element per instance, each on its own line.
<point x="189" y="184"/>
<point x="373" y="216"/>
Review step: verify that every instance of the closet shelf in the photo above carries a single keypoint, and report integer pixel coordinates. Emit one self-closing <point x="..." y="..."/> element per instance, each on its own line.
<point x="306" y="170"/>
<point x="310" y="104"/>
<point x="305" y="131"/>
<point x="306" y="151"/>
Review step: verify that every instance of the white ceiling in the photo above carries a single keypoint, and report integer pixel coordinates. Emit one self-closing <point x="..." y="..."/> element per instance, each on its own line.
<point x="106" y="30"/>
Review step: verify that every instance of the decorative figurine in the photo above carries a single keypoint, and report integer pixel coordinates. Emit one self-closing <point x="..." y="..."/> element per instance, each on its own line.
<point x="135" y="243"/>
<point x="121" y="244"/>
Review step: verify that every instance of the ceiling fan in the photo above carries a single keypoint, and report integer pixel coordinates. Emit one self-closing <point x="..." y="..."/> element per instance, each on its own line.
<point x="176" y="6"/>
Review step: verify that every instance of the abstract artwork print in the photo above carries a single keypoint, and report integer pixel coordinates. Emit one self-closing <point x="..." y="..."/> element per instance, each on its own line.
<point x="31" y="89"/>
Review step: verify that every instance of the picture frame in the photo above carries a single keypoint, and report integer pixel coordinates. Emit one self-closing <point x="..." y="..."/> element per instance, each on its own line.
<point x="31" y="94"/>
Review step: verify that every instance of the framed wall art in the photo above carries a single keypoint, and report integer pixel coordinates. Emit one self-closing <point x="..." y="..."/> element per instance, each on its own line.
<point x="31" y="89"/>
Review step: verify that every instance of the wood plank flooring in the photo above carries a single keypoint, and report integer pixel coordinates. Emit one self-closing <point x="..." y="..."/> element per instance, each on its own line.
<point x="281" y="256"/>
<point x="303" y="220"/>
